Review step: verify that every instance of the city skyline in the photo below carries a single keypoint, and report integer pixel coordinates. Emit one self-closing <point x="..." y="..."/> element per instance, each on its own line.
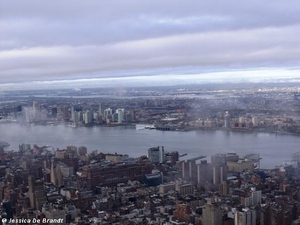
<point x="50" y="44"/>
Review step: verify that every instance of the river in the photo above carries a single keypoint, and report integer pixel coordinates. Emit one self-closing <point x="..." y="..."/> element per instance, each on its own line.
<point x="129" y="140"/>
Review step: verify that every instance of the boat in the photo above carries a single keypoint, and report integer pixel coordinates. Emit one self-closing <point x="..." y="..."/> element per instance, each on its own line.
<point x="150" y="128"/>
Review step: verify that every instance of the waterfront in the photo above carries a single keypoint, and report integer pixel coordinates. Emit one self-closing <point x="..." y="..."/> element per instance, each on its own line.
<point x="128" y="140"/>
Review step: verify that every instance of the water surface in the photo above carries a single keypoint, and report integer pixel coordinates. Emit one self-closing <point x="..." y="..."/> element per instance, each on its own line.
<point x="129" y="140"/>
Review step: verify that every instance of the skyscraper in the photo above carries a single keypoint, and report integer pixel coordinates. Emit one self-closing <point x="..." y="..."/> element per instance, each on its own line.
<point x="36" y="193"/>
<point x="227" y="120"/>
<point x="35" y="111"/>
<point x="88" y="117"/>
<point x="189" y="170"/>
<point x="204" y="173"/>
<point x="219" y="168"/>
<point x="73" y="113"/>
<point x="35" y="106"/>
<point x="101" y="108"/>
<point x="120" y="113"/>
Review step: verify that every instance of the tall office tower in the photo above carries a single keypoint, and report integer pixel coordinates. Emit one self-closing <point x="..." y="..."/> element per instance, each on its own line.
<point x="75" y="121"/>
<point x="73" y="113"/>
<point x="35" y="106"/>
<point x="35" y="110"/>
<point x="204" y="173"/>
<point x="88" y="117"/>
<point x="55" y="174"/>
<point x="36" y="193"/>
<point x="101" y="108"/>
<point x="189" y="170"/>
<point x="28" y="113"/>
<point x="185" y="168"/>
<point x="212" y="214"/>
<point x="120" y="113"/>
<point x="219" y="168"/>
<point x="227" y="120"/>
<point x="156" y="154"/>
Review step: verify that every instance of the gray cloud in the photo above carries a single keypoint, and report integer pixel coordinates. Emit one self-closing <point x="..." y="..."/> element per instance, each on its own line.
<point x="73" y="39"/>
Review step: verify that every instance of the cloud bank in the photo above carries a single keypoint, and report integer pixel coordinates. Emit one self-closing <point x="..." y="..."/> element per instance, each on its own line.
<point x="73" y="40"/>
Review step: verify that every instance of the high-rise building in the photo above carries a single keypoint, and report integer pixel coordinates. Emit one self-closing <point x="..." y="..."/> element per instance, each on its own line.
<point x="204" y="173"/>
<point x="75" y="121"/>
<point x="174" y="157"/>
<point x="219" y="168"/>
<point x="107" y="114"/>
<point x="185" y="170"/>
<point x="96" y="116"/>
<point x="73" y="113"/>
<point x="253" y="199"/>
<point x="156" y="154"/>
<point x="35" y="106"/>
<point x="101" y="108"/>
<point x="28" y="113"/>
<point x="80" y="116"/>
<point x="189" y="170"/>
<point x="120" y="113"/>
<point x="36" y="193"/>
<point x="212" y="214"/>
<point x="227" y="120"/>
<point x="224" y="189"/>
<point x="74" y="110"/>
<point x="245" y="217"/>
<point x="35" y="110"/>
<point x="59" y="171"/>
<point x="88" y="117"/>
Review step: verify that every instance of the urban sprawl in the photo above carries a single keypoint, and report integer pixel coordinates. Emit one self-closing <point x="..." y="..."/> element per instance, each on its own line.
<point x="41" y="184"/>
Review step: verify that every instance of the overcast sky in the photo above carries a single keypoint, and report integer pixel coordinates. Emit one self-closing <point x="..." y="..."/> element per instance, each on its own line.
<point x="46" y="41"/>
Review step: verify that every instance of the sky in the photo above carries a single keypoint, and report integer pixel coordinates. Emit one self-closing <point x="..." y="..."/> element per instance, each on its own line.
<point x="95" y="42"/>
